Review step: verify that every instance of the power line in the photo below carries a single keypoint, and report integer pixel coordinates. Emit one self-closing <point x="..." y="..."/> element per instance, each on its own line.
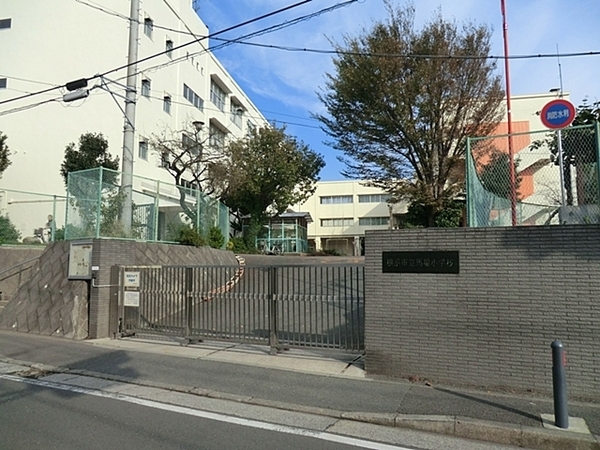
<point x="28" y="81"/>
<point x="409" y="55"/>
<point x="233" y="27"/>
<point x="227" y="42"/>
<point x="33" y="105"/>
<point x="239" y="39"/>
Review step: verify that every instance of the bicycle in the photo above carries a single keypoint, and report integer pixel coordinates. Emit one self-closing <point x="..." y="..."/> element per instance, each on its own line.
<point x="273" y="250"/>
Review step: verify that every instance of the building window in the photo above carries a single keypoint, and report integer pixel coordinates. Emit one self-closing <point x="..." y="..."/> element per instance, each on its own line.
<point x="216" y="137"/>
<point x="192" y="97"/>
<point x="143" y="150"/>
<point x="164" y="159"/>
<point x="337" y="222"/>
<point x="169" y="48"/>
<point x="250" y="127"/>
<point x="148" y="27"/>
<point x="374" y="198"/>
<point x="373" y="221"/>
<point x="2" y="83"/>
<point x="146" y="88"/>
<point x="217" y="96"/>
<point x="190" y="145"/>
<point x="336" y="199"/>
<point x="5" y="23"/>
<point x="236" y="114"/>
<point x="167" y="104"/>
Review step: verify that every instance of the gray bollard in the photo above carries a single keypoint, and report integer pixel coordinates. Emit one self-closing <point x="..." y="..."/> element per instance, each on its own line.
<point x="559" y="385"/>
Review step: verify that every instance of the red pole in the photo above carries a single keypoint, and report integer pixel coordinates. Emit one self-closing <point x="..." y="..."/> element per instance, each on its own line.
<point x="511" y="154"/>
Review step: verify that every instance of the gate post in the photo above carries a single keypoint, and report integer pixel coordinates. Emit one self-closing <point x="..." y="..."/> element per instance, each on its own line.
<point x="559" y="385"/>
<point x="272" y="274"/>
<point x="189" y="276"/>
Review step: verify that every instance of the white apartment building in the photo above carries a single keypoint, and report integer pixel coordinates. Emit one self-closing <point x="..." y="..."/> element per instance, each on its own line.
<point x="49" y="43"/>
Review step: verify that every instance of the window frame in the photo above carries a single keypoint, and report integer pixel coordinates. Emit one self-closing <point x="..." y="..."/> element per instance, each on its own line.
<point x="218" y="96"/>
<point x="193" y="98"/>
<point x="169" y="48"/>
<point x="148" y="27"/>
<point x="216" y="137"/>
<point x="333" y="202"/>
<point x="143" y="150"/>
<point x="236" y="117"/>
<point x="190" y="144"/>
<point x="369" y="198"/>
<point x="146" y="88"/>
<point x="331" y="222"/>
<point x="167" y="104"/>
<point x="385" y="219"/>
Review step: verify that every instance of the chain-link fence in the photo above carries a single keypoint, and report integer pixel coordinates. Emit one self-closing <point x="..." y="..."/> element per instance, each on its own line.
<point x="30" y="217"/>
<point x="159" y="210"/>
<point x="555" y="178"/>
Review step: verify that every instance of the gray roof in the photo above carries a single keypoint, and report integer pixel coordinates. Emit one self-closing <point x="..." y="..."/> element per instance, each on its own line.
<point x="294" y="215"/>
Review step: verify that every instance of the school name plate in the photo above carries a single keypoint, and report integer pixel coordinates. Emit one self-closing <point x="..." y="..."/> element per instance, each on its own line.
<point x="420" y="262"/>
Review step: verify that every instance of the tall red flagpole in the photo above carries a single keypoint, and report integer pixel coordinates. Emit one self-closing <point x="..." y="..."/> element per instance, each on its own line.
<point x="511" y="154"/>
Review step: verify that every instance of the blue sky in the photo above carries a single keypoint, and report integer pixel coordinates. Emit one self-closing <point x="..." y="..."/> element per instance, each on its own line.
<point x="283" y="84"/>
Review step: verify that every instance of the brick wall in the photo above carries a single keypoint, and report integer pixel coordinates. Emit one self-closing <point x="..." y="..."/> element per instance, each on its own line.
<point x="492" y="324"/>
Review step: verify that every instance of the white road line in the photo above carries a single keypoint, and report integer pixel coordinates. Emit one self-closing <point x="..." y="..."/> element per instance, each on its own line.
<point x="210" y="415"/>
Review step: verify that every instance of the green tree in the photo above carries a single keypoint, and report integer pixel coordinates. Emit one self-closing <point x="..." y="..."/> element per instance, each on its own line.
<point x="402" y="102"/>
<point x="265" y="173"/>
<point x="449" y="216"/>
<point x="92" y="152"/>
<point x="215" y="237"/>
<point x="8" y="232"/>
<point x="495" y="175"/>
<point x="4" y="153"/>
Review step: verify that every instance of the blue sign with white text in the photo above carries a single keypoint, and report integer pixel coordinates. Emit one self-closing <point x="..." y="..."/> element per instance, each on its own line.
<point x="558" y="114"/>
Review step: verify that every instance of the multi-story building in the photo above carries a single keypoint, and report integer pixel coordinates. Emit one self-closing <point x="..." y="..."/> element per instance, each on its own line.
<point x="47" y="44"/>
<point x="341" y="212"/>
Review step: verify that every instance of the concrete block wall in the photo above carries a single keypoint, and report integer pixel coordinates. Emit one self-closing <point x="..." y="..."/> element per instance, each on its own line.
<point x="492" y="324"/>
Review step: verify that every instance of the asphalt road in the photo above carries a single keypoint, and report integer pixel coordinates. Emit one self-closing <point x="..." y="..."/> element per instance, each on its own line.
<point x="39" y="417"/>
<point x="283" y="386"/>
<point x="61" y="415"/>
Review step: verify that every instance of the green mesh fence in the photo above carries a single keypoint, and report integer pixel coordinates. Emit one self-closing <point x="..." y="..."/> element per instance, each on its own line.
<point x="556" y="178"/>
<point x="159" y="210"/>
<point x="31" y="217"/>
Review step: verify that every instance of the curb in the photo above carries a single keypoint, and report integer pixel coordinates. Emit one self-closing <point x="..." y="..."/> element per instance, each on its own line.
<point x="462" y="427"/>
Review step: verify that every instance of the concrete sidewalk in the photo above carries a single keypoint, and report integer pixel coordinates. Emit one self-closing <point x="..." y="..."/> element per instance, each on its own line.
<point x="334" y="384"/>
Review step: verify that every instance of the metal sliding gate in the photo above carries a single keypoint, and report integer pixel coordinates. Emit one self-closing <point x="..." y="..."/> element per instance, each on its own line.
<point x="314" y="306"/>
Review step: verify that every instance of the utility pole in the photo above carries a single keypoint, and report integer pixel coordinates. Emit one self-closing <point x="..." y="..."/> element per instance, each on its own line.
<point x="511" y="152"/>
<point x="129" y="126"/>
